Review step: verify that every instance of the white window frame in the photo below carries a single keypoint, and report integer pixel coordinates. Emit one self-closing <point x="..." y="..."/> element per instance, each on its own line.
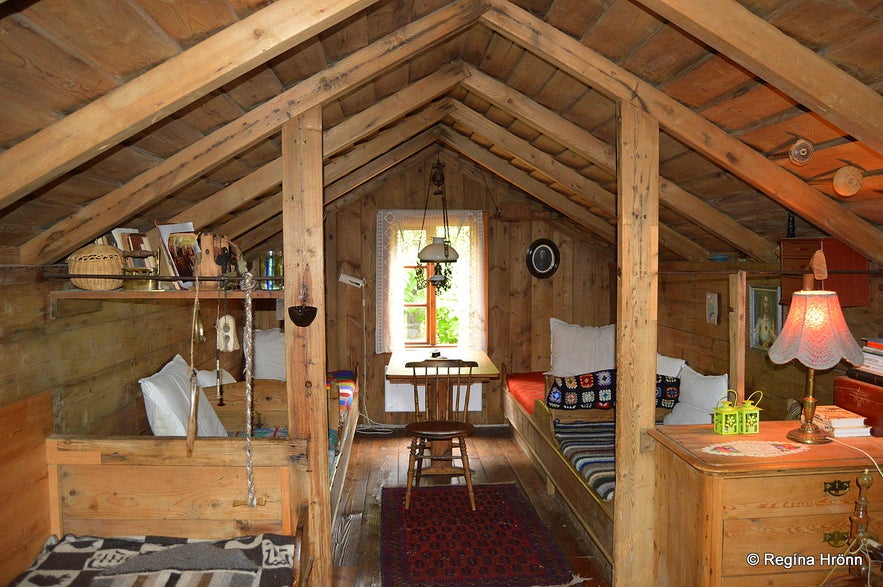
<point x="390" y="325"/>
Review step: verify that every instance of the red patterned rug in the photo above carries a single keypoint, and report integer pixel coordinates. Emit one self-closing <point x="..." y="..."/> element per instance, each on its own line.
<point x="441" y="542"/>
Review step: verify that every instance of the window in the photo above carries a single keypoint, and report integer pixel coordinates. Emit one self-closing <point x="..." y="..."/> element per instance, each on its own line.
<point x="409" y="316"/>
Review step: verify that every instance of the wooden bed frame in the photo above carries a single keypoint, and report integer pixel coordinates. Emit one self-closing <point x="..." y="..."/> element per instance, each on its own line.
<point x="137" y="485"/>
<point x="535" y="434"/>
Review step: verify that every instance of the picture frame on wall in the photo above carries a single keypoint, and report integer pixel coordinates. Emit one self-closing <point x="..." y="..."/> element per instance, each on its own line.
<point x="765" y="316"/>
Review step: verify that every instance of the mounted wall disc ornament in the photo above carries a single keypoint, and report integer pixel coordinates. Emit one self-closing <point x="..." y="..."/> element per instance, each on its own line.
<point x="800" y="152"/>
<point x="847" y="181"/>
<point x="542" y="258"/>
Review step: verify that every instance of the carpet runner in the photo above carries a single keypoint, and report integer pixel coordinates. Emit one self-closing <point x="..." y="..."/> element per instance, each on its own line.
<point x="440" y="542"/>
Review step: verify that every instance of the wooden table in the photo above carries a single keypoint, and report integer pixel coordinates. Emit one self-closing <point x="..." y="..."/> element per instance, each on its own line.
<point x="396" y="372"/>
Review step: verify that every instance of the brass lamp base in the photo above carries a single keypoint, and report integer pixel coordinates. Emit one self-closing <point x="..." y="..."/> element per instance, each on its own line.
<point x="809" y="433"/>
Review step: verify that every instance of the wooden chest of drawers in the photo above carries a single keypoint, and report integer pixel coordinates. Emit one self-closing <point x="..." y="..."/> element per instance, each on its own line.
<point x="715" y="513"/>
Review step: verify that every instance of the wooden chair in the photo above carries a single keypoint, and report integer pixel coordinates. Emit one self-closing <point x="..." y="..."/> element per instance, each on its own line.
<point x="443" y="423"/>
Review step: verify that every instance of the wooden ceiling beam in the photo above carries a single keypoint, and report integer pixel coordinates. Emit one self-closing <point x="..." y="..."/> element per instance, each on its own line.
<point x="403" y="164"/>
<point x="359" y="174"/>
<point x="598" y="72"/>
<point x="791" y="67"/>
<point x="378" y="165"/>
<point x="256" y="125"/>
<point x="351" y="131"/>
<point x="261" y="233"/>
<point x="388" y="139"/>
<point x="248" y="219"/>
<point x="603" y="155"/>
<point x="572" y="181"/>
<point x="582" y="190"/>
<point x="393" y="107"/>
<point x="164" y="89"/>
<point x="525" y="182"/>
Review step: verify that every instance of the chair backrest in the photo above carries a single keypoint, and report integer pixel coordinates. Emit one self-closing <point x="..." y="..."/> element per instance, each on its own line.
<point x="447" y="383"/>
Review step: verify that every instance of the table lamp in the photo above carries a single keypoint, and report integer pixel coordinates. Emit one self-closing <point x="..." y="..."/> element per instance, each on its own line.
<point x="815" y="334"/>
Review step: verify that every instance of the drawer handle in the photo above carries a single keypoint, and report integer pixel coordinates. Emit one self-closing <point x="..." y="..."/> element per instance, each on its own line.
<point x="836" y="539"/>
<point x="837" y="487"/>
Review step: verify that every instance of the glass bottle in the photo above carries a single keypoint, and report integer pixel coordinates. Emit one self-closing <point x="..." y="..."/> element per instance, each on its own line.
<point x="269" y="270"/>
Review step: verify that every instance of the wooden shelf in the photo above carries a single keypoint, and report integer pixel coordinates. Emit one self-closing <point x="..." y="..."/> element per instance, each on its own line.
<point x="121" y="294"/>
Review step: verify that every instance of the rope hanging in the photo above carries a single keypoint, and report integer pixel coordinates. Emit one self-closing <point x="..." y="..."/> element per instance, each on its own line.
<point x="248" y="286"/>
<point x="195" y="332"/>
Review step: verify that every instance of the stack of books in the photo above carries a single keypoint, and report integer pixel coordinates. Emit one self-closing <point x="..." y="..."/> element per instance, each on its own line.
<point x="840" y="422"/>
<point x="871" y="371"/>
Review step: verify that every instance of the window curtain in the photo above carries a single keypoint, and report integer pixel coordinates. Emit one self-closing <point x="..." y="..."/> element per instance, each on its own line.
<point x="393" y="254"/>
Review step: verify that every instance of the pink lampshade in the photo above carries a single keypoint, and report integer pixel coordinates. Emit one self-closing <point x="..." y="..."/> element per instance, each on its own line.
<point x="815" y="333"/>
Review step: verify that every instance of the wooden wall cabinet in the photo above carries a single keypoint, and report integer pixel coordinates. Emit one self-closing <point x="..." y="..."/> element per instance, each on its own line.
<point x="715" y="512"/>
<point x="853" y="289"/>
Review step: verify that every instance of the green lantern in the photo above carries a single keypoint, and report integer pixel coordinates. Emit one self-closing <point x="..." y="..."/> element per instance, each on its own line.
<point x="749" y="415"/>
<point x="726" y="418"/>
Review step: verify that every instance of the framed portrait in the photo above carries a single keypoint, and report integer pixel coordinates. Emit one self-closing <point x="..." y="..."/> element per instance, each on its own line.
<point x="712" y="307"/>
<point x="543" y="258"/>
<point x="765" y="316"/>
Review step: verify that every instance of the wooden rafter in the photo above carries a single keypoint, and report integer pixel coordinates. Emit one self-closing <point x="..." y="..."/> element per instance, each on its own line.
<point x="164" y="89"/>
<point x="259" y="123"/>
<point x="581" y="190"/>
<point x="680" y="122"/>
<point x="794" y="69"/>
<point x="600" y="153"/>
<point x="352" y="130"/>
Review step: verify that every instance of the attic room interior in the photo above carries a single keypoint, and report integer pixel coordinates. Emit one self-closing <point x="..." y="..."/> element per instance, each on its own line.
<point x="680" y="162"/>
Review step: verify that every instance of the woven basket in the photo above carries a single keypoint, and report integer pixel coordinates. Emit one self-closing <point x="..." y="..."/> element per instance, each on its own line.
<point x="96" y="260"/>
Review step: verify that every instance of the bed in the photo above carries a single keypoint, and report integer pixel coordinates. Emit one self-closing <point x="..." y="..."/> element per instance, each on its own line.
<point x="150" y="486"/>
<point x="565" y="420"/>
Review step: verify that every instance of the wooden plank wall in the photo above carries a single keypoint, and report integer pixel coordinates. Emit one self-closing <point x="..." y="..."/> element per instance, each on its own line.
<point x="684" y="332"/>
<point x="24" y="487"/>
<point x="519" y="305"/>
<point x="90" y="354"/>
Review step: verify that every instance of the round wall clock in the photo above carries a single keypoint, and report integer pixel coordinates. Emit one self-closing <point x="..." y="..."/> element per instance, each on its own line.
<point x="542" y="258"/>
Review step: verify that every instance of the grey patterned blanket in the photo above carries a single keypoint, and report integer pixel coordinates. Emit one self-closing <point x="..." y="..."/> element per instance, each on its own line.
<point x="264" y="560"/>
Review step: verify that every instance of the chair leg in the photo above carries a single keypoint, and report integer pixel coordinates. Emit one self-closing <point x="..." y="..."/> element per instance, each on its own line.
<point x="412" y="459"/>
<point x="467" y="472"/>
<point x="421" y="452"/>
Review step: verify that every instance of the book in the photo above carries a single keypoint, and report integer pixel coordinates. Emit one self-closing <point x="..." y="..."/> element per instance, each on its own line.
<point x="872" y="362"/>
<point x="874" y="343"/>
<point x="873" y="351"/>
<point x="849" y="431"/>
<point x="837" y="417"/>
<point x="861" y="374"/>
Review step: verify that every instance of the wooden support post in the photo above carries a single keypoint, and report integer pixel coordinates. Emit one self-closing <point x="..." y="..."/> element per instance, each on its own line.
<point x="636" y="318"/>
<point x="738" y="302"/>
<point x="304" y="261"/>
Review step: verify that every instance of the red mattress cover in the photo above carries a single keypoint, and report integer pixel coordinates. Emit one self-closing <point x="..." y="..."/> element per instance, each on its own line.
<point x="526" y="388"/>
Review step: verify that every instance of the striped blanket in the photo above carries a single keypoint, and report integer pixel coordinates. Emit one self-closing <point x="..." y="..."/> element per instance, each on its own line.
<point x="589" y="448"/>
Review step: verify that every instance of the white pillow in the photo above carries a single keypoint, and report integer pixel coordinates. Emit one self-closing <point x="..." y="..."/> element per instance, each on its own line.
<point x="167" y="402"/>
<point x="686" y="414"/>
<point x="699" y="395"/>
<point x="269" y="354"/>
<point x="207" y="378"/>
<point x="669" y="366"/>
<point x="581" y="349"/>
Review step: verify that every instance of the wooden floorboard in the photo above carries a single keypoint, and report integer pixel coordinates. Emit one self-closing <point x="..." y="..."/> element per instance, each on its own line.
<point x="381" y="460"/>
